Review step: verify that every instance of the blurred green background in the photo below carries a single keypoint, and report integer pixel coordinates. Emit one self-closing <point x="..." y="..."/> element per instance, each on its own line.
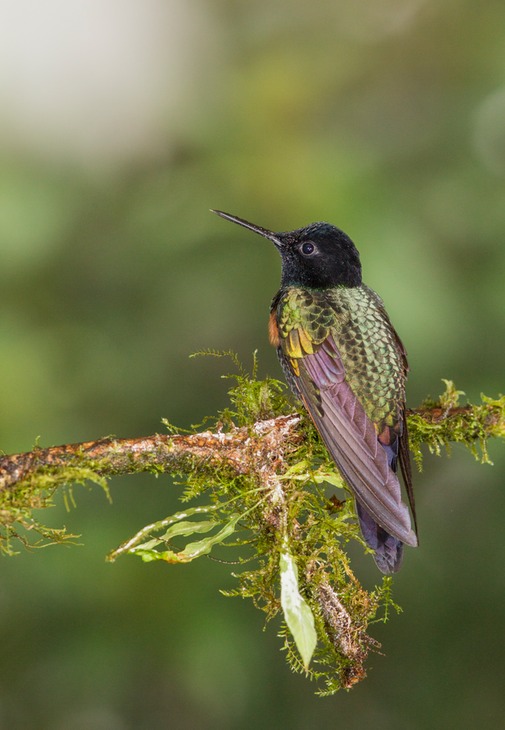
<point x="121" y="124"/>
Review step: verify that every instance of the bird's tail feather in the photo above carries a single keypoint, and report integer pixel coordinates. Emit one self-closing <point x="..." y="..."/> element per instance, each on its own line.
<point x="388" y="550"/>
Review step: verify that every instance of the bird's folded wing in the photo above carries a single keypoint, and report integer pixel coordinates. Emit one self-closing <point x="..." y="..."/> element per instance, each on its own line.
<point x="351" y="439"/>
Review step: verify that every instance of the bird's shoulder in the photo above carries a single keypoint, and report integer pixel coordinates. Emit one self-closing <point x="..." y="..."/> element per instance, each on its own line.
<point x="301" y="319"/>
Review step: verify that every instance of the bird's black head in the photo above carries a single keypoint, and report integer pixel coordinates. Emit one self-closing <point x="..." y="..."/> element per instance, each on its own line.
<point x="318" y="256"/>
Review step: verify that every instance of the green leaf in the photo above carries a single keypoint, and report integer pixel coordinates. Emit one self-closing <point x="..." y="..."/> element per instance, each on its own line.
<point x="178" y="526"/>
<point x="329" y="477"/>
<point x="297" y="612"/>
<point x="201" y="547"/>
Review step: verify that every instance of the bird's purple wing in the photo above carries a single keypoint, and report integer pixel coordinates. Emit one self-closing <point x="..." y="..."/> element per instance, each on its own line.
<point x="352" y="439"/>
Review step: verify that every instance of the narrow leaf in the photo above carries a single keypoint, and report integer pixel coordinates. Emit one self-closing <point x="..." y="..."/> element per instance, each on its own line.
<point x="177" y="525"/>
<point x="330" y="477"/>
<point x="202" y="547"/>
<point x="193" y="549"/>
<point x="297" y="612"/>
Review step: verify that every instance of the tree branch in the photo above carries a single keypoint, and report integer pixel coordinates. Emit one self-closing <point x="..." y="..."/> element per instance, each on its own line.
<point x="237" y="448"/>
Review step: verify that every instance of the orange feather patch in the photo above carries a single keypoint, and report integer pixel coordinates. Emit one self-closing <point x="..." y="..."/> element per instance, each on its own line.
<point x="273" y="330"/>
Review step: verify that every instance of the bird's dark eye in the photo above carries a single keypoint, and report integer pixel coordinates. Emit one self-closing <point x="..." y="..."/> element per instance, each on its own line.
<point x="308" y="248"/>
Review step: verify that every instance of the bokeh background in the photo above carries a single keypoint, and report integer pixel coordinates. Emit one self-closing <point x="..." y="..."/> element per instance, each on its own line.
<point x="121" y="123"/>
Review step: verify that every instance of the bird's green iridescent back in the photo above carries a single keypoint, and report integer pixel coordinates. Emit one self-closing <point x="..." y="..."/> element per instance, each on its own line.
<point x="372" y="354"/>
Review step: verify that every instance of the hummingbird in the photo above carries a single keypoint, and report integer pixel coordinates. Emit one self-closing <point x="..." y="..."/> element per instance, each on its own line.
<point x="344" y="360"/>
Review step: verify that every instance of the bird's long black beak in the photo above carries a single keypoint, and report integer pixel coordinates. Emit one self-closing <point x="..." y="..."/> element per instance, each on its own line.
<point x="274" y="237"/>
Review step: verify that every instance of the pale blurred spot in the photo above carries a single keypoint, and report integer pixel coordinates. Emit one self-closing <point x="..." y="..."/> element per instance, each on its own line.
<point x="489" y="132"/>
<point x="98" y="82"/>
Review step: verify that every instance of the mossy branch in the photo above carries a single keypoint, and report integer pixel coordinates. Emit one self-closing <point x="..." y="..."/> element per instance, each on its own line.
<point x="435" y="423"/>
<point x="236" y="449"/>
<point x="266" y="474"/>
<point x="245" y="449"/>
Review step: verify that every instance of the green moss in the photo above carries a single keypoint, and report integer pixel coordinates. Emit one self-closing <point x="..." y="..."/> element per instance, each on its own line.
<point x="19" y="521"/>
<point x="251" y="399"/>
<point x="442" y="422"/>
